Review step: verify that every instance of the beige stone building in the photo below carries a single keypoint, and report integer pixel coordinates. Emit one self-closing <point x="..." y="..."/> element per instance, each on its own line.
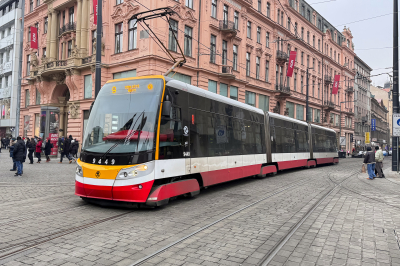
<point x="384" y="95"/>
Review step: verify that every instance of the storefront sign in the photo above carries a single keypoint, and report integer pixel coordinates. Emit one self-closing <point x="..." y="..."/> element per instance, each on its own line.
<point x="373" y="124"/>
<point x="367" y="138"/>
<point x="54" y="140"/>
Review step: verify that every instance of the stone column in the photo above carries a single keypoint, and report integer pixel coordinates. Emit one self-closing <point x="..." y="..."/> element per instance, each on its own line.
<point x="84" y="28"/>
<point x="53" y="39"/>
<point x="48" y="35"/>
<point x="63" y="51"/>
<point x="78" y="25"/>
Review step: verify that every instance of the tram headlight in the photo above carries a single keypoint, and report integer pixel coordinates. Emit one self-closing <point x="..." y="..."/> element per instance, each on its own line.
<point x="136" y="171"/>
<point x="79" y="170"/>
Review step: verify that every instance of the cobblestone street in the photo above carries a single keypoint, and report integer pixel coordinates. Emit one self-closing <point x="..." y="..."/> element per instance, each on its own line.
<point x="330" y="215"/>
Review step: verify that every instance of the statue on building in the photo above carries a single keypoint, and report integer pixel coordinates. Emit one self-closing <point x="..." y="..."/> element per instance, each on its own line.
<point x="34" y="60"/>
<point x="75" y="51"/>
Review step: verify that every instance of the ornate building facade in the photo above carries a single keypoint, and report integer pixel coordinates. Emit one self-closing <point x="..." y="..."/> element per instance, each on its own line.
<point x="10" y="45"/>
<point x="236" y="48"/>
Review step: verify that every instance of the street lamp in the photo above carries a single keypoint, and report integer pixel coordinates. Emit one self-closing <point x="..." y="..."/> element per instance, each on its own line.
<point x="307" y="113"/>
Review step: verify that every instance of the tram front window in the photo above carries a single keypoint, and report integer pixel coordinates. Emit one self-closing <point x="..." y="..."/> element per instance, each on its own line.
<point x="123" y="118"/>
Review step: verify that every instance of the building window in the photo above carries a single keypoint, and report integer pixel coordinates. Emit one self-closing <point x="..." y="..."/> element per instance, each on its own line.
<point x="319" y="84"/>
<point x="132" y="34"/>
<point x="28" y="65"/>
<point x="93" y="41"/>
<point x="46" y="19"/>
<point x="267" y="39"/>
<point x="257" y="67"/>
<point x="189" y="3"/>
<point x="277" y="17"/>
<point x="88" y="86"/>
<point x="302" y="58"/>
<point x="313" y="64"/>
<point x="303" y="11"/>
<point x="317" y="115"/>
<point x="27" y="98"/>
<point x="71" y="15"/>
<point x="295" y="28"/>
<point x="313" y="88"/>
<point x="37" y="100"/>
<point x="295" y="82"/>
<point x="290" y="109"/>
<point x="127" y="74"/>
<point x="236" y="20"/>
<point x="268" y="10"/>
<point x="302" y="33"/>
<point x="259" y="5"/>
<point x="225" y="15"/>
<point x="224" y="52"/>
<point x="233" y="93"/>
<point x="188" y="41"/>
<point x="213" y="48"/>
<point x="37" y="4"/>
<point x="30" y="6"/>
<point x="308" y="37"/>
<point x="248" y="64"/>
<point x="119" y="2"/>
<point x="173" y="31"/>
<point x="263" y="102"/>
<point x="212" y="86"/>
<point x="223" y="89"/>
<point x="301" y="84"/>
<point x="319" y="45"/>
<point x="119" y="38"/>
<point x="29" y="34"/>
<point x="248" y="29"/>
<point x="288" y="23"/>
<point x="266" y="71"/>
<point x="235" y="57"/>
<point x="69" y="48"/>
<point x="178" y="76"/>
<point x="299" y="112"/>
<point x="308" y="15"/>
<point x="44" y="52"/>
<point x="214" y="8"/>
<point x="282" y="18"/>
<point x="313" y="41"/>
<point x="259" y="34"/>
<point x="250" y="98"/>
<point x="308" y="61"/>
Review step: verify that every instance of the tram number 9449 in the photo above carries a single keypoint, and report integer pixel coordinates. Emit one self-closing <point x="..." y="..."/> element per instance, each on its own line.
<point x="112" y="162"/>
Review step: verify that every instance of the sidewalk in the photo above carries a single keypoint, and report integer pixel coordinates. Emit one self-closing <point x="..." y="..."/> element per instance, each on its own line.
<point x="392" y="175"/>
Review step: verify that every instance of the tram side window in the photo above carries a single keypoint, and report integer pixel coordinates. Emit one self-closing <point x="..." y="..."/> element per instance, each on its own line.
<point x="284" y="140"/>
<point x="234" y="134"/>
<point x="171" y="135"/>
<point x="302" y="141"/>
<point x="198" y="134"/>
<point x="219" y="142"/>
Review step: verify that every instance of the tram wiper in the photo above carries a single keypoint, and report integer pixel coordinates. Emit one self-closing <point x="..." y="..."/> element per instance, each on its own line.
<point x="125" y="139"/>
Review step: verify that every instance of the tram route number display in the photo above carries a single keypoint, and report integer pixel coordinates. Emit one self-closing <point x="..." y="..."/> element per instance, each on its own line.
<point x="54" y="140"/>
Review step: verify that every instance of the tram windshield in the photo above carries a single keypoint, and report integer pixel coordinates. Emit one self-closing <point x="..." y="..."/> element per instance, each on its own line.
<point x="123" y="117"/>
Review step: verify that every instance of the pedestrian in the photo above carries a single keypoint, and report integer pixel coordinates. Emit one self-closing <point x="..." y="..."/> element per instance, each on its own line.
<point x="19" y="155"/>
<point x="38" y="150"/>
<point x="31" y="145"/>
<point x="47" y="149"/>
<point x="66" y="149"/>
<point x="379" y="161"/>
<point x="11" y="149"/>
<point x="370" y="161"/>
<point x="74" y="148"/>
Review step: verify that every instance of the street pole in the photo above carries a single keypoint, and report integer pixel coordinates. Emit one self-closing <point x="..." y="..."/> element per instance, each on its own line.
<point x="340" y="124"/>
<point x="395" y="79"/>
<point x="307" y="118"/>
<point x="97" y="84"/>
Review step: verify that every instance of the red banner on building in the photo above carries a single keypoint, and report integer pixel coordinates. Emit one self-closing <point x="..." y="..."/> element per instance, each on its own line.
<point x="335" y="87"/>
<point x="34" y="38"/>
<point x="292" y="61"/>
<point x="95" y="12"/>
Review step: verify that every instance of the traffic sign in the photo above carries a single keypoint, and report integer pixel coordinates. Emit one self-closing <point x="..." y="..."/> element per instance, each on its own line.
<point x="396" y="125"/>
<point x="342" y="141"/>
<point x="373" y="124"/>
<point x="367" y="138"/>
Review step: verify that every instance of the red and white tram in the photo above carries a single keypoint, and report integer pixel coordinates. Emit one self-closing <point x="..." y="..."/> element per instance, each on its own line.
<point x="152" y="138"/>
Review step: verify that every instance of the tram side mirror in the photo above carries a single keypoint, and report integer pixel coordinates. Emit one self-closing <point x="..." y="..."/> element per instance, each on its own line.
<point x="91" y="106"/>
<point x="166" y="108"/>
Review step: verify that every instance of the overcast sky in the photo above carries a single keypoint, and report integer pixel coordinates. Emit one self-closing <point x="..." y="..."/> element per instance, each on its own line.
<point x="372" y="33"/>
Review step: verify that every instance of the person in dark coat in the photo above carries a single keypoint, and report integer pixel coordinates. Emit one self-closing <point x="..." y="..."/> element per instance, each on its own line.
<point x="19" y="155"/>
<point x="66" y="150"/>
<point x="47" y="149"/>
<point x="38" y="150"/>
<point x="369" y="159"/>
<point x="31" y="146"/>
<point x="11" y="149"/>
<point x="74" y="148"/>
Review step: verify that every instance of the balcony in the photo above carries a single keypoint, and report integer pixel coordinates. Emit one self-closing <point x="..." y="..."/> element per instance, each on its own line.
<point x="281" y="57"/>
<point x="328" y="79"/>
<point x="349" y="90"/>
<point x="226" y="72"/>
<point x="87" y="60"/>
<point x="7" y="41"/>
<point x="227" y="27"/>
<point x="71" y="26"/>
<point x="283" y="90"/>
<point x="329" y="105"/>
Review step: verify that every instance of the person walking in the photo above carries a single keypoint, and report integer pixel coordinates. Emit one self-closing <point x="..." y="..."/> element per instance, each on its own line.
<point x="74" y="148"/>
<point x="66" y="149"/>
<point x="11" y="149"/>
<point x="38" y="150"/>
<point x="19" y="155"/>
<point x="47" y="149"/>
<point x="370" y="161"/>
<point x="31" y="146"/>
<point x="379" y="161"/>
